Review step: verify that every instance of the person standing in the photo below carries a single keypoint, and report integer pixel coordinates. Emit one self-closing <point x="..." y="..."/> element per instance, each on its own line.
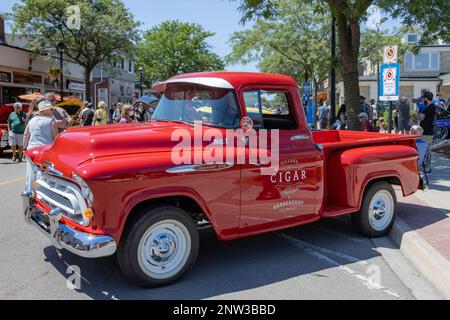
<point x="16" y="127"/>
<point x="404" y="115"/>
<point x="41" y="130"/>
<point x="374" y="111"/>
<point x="62" y="118"/>
<point x="88" y="115"/>
<point x="125" y="116"/>
<point x="101" y="115"/>
<point x="117" y="113"/>
<point x="323" y="114"/>
<point x="366" y="108"/>
<point x="140" y="114"/>
<point x="427" y="117"/>
<point x="111" y="113"/>
<point x="80" y="114"/>
<point x="366" y="124"/>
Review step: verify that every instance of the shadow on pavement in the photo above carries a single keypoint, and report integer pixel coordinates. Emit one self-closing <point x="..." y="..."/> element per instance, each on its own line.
<point x="227" y="267"/>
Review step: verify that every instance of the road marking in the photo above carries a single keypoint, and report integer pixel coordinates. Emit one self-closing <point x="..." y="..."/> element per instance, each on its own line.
<point x="3" y="183"/>
<point x="318" y="253"/>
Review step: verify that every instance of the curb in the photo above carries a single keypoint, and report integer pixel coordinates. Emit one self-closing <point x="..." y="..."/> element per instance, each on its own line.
<point x="431" y="264"/>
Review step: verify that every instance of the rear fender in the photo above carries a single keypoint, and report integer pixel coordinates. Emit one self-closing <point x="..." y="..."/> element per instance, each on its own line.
<point x="361" y="166"/>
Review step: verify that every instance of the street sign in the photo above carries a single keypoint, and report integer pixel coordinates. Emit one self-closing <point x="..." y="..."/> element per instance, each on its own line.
<point x="306" y="88"/>
<point x="390" y="54"/>
<point x="389" y="82"/>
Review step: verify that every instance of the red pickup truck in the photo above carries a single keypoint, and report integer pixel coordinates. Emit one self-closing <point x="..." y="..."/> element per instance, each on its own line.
<point x="122" y="189"/>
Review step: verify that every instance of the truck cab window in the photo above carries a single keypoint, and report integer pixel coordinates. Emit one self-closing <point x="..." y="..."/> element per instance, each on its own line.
<point x="270" y="109"/>
<point x="189" y="102"/>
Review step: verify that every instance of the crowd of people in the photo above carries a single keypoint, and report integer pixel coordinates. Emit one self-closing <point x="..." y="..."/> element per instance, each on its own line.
<point x="426" y="112"/>
<point x="118" y="113"/>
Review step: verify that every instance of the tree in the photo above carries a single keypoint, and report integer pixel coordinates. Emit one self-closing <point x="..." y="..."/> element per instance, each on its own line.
<point x="431" y="15"/>
<point x="294" y="42"/>
<point x="175" y="47"/>
<point x="92" y="31"/>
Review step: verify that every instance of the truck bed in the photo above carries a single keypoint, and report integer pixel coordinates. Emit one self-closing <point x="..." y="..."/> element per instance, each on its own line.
<point x="338" y="139"/>
<point x="342" y="176"/>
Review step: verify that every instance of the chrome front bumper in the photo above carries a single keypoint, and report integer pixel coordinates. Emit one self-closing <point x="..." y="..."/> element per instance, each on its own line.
<point x="64" y="237"/>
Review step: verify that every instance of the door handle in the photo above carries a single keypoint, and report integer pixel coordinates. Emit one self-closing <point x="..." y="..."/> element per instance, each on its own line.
<point x="300" y="137"/>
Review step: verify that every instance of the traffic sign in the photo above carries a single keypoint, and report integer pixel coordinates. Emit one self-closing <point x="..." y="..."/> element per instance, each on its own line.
<point x="307" y="88"/>
<point x="389" y="82"/>
<point x="390" y="54"/>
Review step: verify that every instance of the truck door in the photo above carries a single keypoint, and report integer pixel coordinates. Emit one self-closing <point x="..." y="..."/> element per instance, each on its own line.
<point x="290" y="195"/>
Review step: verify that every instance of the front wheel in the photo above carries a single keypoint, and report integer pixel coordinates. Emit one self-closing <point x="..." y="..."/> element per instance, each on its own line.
<point x="159" y="247"/>
<point x="377" y="214"/>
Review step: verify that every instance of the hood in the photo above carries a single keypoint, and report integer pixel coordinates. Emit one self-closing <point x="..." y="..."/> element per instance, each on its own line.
<point x="78" y="145"/>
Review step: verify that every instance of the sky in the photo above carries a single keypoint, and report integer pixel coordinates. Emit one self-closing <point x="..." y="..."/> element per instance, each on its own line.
<point x="219" y="16"/>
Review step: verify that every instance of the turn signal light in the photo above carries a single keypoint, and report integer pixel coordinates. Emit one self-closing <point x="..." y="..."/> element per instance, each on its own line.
<point x="88" y="213"/>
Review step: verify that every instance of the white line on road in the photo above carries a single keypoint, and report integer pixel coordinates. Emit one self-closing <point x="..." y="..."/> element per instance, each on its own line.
<point x="314" y="251"/>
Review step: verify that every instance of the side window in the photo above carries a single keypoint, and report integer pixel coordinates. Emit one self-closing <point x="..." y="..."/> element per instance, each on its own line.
<point x="270" y="109"/>
<point x="253" y="107"/>
<point x="275" y="103"/>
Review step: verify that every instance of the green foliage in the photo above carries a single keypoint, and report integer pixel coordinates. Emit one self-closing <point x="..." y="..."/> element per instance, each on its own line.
<point x="431" y="17"/>
<point x="175" y="47"/>
<point x="295" y="41"/>
<point x="373" y="42"/>
<point x="106" y="29"/>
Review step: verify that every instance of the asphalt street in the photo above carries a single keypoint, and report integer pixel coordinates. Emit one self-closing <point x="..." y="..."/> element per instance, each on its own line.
<point x="325" y="260"/>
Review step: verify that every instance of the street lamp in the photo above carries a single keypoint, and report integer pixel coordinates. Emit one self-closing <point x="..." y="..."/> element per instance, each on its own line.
<point x="61" y="48"/>
<point x="141" y="71"/>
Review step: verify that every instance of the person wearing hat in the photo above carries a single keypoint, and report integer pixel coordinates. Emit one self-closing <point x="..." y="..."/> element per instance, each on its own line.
<point x="404" y="115"/>
<point x="41" y="130"/>
<point x="366" y="124"/>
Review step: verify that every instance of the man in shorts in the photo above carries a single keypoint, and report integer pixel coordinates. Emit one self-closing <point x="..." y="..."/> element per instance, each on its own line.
<point x="16" y="128"/>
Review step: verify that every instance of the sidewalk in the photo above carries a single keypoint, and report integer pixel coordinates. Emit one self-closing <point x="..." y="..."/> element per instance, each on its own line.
<point x="423" y="229"/>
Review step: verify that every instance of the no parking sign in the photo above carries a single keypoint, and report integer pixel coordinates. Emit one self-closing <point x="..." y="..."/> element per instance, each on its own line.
<point x="389" y="82"/>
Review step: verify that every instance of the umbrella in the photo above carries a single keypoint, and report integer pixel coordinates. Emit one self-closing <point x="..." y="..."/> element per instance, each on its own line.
<point x="32" y="96"/>
<point x="147" y="99"/>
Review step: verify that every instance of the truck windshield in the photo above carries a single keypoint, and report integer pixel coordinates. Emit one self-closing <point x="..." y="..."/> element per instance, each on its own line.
<point x="187" y="102"/>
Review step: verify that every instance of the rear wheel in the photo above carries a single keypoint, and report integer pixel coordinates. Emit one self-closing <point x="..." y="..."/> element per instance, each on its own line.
<point x="159" y="247"/>
<point x="377" y="214"/>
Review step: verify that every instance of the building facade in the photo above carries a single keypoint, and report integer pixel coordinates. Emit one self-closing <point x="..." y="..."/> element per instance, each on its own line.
<point x="116" y="86"/>
<point x="23" y="72"/>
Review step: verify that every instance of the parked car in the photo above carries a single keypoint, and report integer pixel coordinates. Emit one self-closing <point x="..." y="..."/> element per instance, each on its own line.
<point x="152" y="209"/>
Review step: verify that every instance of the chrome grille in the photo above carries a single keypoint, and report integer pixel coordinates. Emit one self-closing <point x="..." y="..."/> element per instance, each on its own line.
<point x="59" y="193"/>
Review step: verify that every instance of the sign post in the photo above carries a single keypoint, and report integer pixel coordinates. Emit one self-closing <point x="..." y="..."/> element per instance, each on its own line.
<point x="389" y="88"/>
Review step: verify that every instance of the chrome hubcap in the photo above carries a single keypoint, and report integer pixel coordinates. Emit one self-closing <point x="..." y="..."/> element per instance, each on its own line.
<point x="164" y="249"/>
<point x="381" y="210"/>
